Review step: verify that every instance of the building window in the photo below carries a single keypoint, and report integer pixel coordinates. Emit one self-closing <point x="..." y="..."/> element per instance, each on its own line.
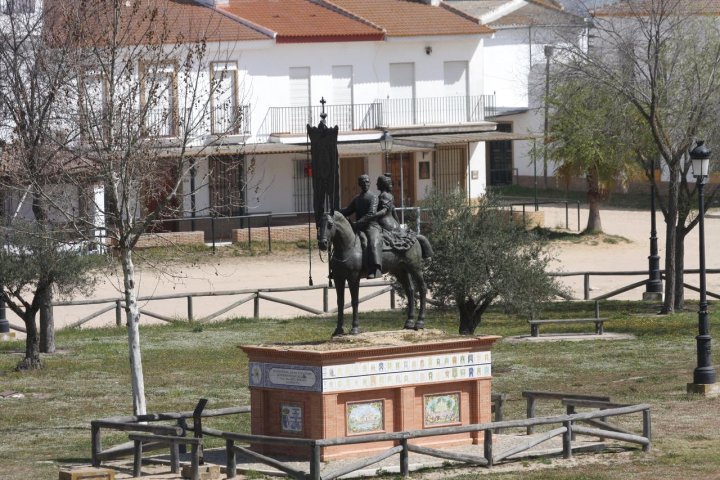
<point x="159" y="100"/>
<point x="227" y="185"/>
<point x="93" y="106"/>
<point x="302" y="185"/>
<point x="227" y="116"/>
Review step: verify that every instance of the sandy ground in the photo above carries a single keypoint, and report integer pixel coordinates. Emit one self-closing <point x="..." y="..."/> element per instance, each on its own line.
<point x="292" y="270"/>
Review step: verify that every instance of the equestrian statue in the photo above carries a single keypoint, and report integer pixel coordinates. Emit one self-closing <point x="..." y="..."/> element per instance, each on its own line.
<point x="376" y="244"/>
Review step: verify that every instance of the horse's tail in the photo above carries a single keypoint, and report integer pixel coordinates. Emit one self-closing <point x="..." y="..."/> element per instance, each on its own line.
<point x="427" y="250"/>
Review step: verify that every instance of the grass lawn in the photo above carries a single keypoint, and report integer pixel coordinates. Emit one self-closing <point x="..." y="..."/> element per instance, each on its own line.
<point x="89" y="378"/>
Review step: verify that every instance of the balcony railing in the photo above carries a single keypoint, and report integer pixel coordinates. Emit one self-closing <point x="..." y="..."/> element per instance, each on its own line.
<point x="292" y="120"/>
<point x="436" y="110"/>
<point x="229" y="120"/>
<point x="381" y="113"/>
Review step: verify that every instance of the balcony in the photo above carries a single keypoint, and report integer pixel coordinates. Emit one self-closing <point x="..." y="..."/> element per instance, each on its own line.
<point x="381" y="113"/>
<point x="293" y="120"/>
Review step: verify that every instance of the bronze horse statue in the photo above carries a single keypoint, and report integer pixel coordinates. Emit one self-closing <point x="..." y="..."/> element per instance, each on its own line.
<point x="346" y="263"/>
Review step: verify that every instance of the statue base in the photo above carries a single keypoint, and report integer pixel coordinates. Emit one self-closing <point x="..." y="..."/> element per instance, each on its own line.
<point x="378" y="382"/>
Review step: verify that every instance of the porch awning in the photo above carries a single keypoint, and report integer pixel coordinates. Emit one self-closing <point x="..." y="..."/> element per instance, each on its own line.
<point x="431" y="141"/>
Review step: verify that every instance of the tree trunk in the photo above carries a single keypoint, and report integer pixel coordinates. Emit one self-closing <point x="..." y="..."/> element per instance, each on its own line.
<point x="32" y="344"/>
<point x="594" y="196"/>
<point x="47" y="322"/>
<point x="670" y="241"/>
<point x="680" y="269"/>
<point x="132" y="311"/>
<point x="466" y="308"/>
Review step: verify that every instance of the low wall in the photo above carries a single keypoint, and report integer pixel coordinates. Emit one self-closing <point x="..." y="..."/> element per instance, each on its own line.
<point x="291" y="233"/>
<point x="167" y="239"/>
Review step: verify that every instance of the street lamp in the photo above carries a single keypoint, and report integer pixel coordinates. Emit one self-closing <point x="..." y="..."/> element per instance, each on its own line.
<point x="386" y="142"/>
<point x="653" y="288"/>
<point x="704" y="373"/>
<point x="549" y="49"/>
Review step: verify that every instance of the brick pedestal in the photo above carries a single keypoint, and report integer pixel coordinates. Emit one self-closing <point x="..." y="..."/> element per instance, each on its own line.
<point x="336" y="392"/>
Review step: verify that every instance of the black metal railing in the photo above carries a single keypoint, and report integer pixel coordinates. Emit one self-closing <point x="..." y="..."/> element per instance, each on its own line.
<point x="293" y="120"/>
<point x="436" y="110"/>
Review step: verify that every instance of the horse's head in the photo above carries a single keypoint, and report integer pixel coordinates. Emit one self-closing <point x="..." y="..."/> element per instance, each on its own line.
<point x="325" y="230"/>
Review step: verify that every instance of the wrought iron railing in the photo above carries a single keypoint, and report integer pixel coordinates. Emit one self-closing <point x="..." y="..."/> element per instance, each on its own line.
<point x="436" y="110"/>
<point x="293" y="120"/>
<point x="381" y="113"/>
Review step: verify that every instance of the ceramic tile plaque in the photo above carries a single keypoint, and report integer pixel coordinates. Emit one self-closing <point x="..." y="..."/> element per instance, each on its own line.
<point x="441" y="410"/>
<point x="291" y="418"/>
<point x="396" y="372"/>
<point x="365" y="417"/>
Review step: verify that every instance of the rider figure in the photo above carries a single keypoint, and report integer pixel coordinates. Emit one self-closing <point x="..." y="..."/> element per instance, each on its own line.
<point x="386" y="215"/>
<point x="365" y="206"/>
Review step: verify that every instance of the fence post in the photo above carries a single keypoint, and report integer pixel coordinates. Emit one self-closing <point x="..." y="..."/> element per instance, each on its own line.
<point x="325" y="299"/>
<point x="488" y="447"/>
<point x="578" y="214"/>
<point x="567" y="440"/>
<point x="190" y="308"/>
<point x="96" y="444"/>
<point x="647" y="429"/>
<point x="570" y="410"/>
<point x="417" y="223"/>
<point x="249" y="234"/>
<point x="315" y="462"/>
<point x="118" y="313"/>
<point x="197" y="449"/>
<point x="269" y="218"/>
<point x="392" y="299"/>
<point x="567" y="215"/>
<point x="212" y="231"/>
<point x="530" y="413"/>
<point x="256" y="305"/>
<point x="404" y="458"/>
<point x="586" y="286"/>
<point x="231" y="463"/>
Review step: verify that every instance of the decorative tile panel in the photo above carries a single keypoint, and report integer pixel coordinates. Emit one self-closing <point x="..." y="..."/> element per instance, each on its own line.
<point x="440" y="410"/>
<point x="365" y="417"/>
<point x="374" y="374"/>
<point x="291" y="418"/>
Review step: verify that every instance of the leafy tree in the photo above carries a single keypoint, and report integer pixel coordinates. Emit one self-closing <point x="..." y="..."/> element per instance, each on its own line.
<point x="593" y="136"/>
<point x="482" y="258"/>
<point x="662" y="58"/>
<point x="33" y="262"/>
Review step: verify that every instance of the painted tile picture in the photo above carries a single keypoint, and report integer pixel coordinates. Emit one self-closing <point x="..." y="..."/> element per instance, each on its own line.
<point x="291" y="418"/>
<point x="441" y="409"/>
<point x="365" y="417"/>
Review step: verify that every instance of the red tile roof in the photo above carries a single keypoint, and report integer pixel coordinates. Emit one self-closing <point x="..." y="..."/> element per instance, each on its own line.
<point x="635" y="8"/>
<point x="143" y="22"/>
<point x="403" y="18"/>
<point x="303" y="20"/>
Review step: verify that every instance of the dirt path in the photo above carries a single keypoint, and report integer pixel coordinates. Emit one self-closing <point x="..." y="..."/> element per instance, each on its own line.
<point x="289" y="270"/>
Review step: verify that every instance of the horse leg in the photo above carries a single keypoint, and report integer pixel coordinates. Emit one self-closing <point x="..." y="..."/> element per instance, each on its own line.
<point x="354" y="284"/>
<point x="407" y="285"/>
<point x="340" y="294"/>
<point x="419" y="282"/>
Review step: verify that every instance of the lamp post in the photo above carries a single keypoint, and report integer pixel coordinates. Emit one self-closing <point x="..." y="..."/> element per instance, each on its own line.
<point x="704" y="373"/>
<point x="548" y="54"/>
<point x="653" y="288"/>
<point x="386" y="142"/>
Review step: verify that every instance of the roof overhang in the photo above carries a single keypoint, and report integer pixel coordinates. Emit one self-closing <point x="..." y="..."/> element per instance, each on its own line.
<point x="432" y="141"/>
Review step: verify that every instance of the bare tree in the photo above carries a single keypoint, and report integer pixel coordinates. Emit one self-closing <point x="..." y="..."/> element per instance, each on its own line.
<point x="661" y="57"/>
<point x="34" y="82"/>
<point x="144" y="95"/>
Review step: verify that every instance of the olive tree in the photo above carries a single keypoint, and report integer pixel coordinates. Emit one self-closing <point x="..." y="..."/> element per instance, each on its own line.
<point x="482" y="257"/>
<point x="34" y="261"/>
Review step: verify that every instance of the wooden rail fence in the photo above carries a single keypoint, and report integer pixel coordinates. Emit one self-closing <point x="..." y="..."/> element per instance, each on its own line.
<point x="567" y="427"/>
